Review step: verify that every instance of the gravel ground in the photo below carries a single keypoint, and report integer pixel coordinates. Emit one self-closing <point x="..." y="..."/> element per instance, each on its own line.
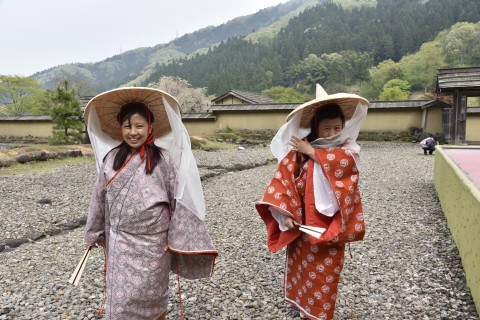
<point x="406" y="268"/>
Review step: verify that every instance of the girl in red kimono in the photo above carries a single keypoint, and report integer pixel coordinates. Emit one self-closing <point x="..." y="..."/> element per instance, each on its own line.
<point x="147" y="208"/>
<point x="312" y="205"/>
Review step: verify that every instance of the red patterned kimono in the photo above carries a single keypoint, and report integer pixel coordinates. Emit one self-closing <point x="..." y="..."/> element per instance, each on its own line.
<point x="313" y="266"/>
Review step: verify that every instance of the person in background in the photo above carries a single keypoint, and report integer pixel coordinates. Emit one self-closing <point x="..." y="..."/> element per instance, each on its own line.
<point x="315" y="185"/>
<point x="428" y="145"/>
<point x="145" y="211"/>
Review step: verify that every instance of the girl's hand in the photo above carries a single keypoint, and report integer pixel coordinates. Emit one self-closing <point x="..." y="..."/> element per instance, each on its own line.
<point x="302" y="146"/>
<point x="289" y="223"/>
<point x="95" y="245"/>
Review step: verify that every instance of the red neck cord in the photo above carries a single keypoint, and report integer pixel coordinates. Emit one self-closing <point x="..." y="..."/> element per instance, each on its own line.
<point x="143" y="149"/>
<point x="101" y="310"/>
<point x="179" y="294"/>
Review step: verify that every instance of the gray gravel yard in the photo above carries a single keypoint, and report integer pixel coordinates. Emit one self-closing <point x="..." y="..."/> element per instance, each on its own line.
<point x="408" y="267"/>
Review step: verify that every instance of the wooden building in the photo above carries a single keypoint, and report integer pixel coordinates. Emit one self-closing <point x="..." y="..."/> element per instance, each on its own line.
<point x="460" y="83"/>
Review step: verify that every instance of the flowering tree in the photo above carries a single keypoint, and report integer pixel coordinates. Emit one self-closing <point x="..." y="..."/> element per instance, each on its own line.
<point x="190" y="99"/>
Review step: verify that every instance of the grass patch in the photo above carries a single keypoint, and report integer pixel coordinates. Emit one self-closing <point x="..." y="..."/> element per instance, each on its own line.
<point x="217" y="145"/>
<point x="86" y="149"/>
<point x="210" y="144"/>
<point x="43" y="166"/>
<point x="228" y="136"/>
<point x="232" y="138"/>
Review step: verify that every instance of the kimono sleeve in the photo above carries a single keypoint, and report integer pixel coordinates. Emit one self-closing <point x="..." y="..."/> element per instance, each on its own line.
<point x="281" y="197"/>
<point x="95" y="226"/>
<point x="354" y="148"/>
<point x="193" y="254"/>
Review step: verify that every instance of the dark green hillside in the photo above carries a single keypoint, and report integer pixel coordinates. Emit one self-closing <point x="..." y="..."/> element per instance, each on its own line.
<point x="328" y="36"/>
<point x="391" y="30"/>
<point x="241" y="26"/>
<point x="234" y="64"/>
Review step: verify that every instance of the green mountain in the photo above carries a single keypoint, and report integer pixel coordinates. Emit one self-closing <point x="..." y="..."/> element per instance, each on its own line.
<point x="327" y="43"/>
<point x="134" y="67"/>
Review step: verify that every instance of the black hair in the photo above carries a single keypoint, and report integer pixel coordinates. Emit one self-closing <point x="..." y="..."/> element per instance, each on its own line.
<point x="124" y="150"/>
<point x="328" y="111"/>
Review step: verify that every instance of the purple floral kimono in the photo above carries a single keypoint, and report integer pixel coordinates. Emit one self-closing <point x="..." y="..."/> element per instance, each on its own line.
<point x="147" y="233"/>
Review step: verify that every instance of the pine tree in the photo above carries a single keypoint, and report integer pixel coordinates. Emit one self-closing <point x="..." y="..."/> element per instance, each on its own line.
<point x="67" y="116"/>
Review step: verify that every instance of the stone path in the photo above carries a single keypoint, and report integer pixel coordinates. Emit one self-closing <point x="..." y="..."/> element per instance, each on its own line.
<point x="407" y="267"/>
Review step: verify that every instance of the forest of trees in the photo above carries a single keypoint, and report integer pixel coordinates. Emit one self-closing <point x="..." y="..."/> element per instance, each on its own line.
<point x="342" y="49"/>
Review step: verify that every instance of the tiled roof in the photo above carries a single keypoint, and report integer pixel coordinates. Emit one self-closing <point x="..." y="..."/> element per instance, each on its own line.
<point x="26" y="118"/>
<point x="254" y="107"/>
<point x="249" y="97"/>
<point x="198" y="116"/>
<point x="436" y="103"/>
<point x="406" y="104"/>
<point x="291" y="106"/>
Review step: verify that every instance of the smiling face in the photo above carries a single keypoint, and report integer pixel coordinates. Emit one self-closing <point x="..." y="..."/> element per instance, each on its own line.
<point x="135" y="130"/>
<point x="329" y="127"/>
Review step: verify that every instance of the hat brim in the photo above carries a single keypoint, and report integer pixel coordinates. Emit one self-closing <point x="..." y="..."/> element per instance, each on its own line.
<point x="347" y="102"/>
<point x="107" y="105"/>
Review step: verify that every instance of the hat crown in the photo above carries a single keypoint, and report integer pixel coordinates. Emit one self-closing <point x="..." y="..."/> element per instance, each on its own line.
<point x="347" y="102"/>
<point x="320" y="92"/>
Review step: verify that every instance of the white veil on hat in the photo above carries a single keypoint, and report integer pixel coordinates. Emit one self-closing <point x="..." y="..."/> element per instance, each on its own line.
<point x="188" y="188"/>
<point x="354" y="105"/>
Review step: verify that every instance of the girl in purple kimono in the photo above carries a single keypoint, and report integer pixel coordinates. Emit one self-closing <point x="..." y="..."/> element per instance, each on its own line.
<point x="147" y="208"/>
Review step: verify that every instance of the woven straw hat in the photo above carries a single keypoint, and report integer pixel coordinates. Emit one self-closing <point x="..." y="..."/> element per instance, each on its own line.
<point x="347" y="102"/>
<point x="108" y="104"/>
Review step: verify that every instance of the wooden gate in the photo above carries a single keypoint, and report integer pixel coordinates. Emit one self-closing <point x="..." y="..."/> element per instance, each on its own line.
<point x="447" y="125"/>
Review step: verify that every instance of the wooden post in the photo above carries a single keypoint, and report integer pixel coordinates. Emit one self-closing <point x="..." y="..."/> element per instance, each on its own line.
<point x="462" y="120"/>
<point x="424" y="120"/>
<point x="459" y="117"/>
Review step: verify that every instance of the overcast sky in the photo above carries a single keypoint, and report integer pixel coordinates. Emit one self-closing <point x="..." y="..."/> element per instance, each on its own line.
<point x="39" y="34"/>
